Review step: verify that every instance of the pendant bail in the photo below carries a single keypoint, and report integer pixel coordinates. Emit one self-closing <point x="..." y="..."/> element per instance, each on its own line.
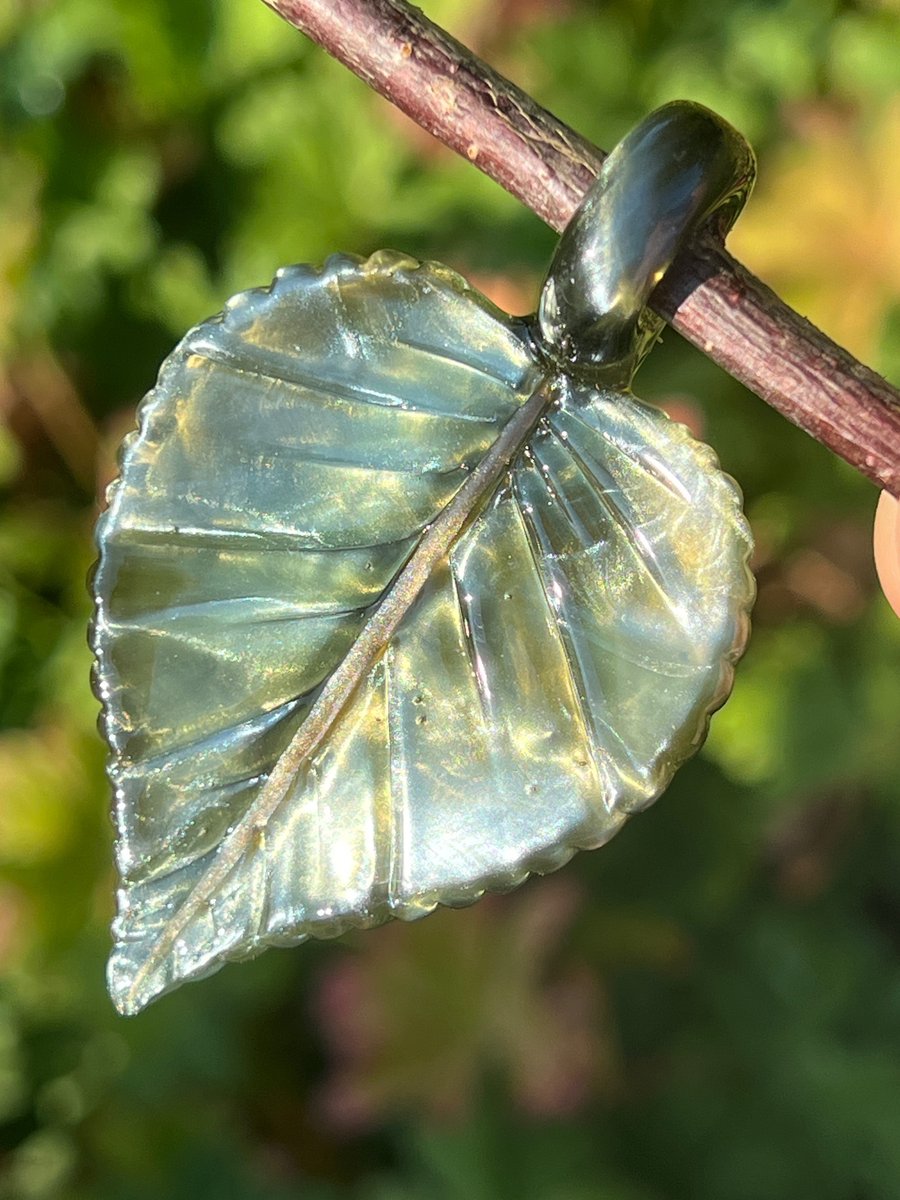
<point x="681" y="168"/>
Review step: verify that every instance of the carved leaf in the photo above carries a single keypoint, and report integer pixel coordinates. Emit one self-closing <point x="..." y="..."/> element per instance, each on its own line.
<point x="559" y="663"/>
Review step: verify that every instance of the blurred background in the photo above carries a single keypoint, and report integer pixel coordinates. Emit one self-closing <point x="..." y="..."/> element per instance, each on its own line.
<point x="708" y="1008"/>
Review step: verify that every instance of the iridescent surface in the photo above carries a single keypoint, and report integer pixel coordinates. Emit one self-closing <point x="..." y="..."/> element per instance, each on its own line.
<point x="558" y="666"/>
<point x="678" y="168"/>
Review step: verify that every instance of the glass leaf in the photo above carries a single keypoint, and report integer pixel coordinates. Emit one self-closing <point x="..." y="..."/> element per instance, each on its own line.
<point x="557" y="666"/>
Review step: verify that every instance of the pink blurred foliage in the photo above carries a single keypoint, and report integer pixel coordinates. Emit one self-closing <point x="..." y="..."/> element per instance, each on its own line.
<point x="516" y="295"/>
<point x="13" y="917"/>
<point x="685" y="410"/>
<point x="421" y="1014"/>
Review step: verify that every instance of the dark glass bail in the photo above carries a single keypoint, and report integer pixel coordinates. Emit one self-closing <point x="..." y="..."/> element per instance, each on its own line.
<point x="681" y="167"/>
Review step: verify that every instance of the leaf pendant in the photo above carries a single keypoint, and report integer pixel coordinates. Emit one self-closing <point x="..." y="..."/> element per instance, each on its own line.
<point x="400" y="598"/>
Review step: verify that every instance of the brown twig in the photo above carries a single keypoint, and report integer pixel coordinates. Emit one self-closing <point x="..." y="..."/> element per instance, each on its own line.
<point x="707" y="296"/>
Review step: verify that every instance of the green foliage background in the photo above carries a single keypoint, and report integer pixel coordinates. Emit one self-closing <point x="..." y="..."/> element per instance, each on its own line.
<point x="708" y="1008"/>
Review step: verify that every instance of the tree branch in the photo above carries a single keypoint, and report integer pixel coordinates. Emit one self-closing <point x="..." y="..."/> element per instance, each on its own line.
<point x="706" y="295"/>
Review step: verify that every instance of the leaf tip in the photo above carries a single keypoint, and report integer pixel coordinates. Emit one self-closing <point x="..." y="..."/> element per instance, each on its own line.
<point x="130" y="988"/>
